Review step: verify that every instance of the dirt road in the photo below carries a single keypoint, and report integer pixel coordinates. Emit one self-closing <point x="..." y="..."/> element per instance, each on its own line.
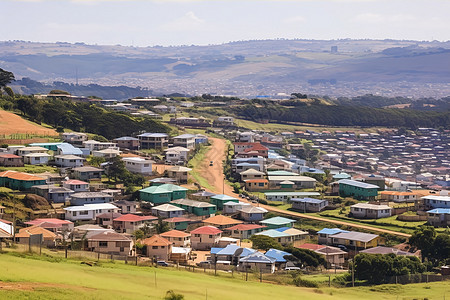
<point x="214" y="176"/>
<point x="11" y="123"/>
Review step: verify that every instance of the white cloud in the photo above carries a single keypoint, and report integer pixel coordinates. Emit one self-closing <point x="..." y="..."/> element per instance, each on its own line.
<point x="379" y="18"/>
<point x="185" y="23"/>
<point x="294" y="20"/>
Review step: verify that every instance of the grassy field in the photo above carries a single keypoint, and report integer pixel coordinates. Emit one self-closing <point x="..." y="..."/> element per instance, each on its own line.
<point x="33" y="169"/>
<point x="36" y="278"/>
<point x="194" y="163"/>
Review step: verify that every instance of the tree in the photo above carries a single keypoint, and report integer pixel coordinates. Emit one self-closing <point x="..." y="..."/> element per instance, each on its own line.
<point x="5" y="78"/>
<point x="116" y="169"/>
<point x="305" y="257"/>
<point x="263" y="242"/>
<point x="162" y="226"/>
<point x="58" y="92"/>
<point x="423" y="239"/>
<point x="171" y="295"/>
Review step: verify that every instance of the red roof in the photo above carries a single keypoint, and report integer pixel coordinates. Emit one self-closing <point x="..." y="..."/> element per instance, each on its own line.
<point x="134" y="218"/>
<point x="156" y="240"/>
<point x="243" y="227"/>
<point x="257" y="180"/>
<point x="175" y="233"/>
<point x="74" y="181"/>
<point x="177" y="219"/>
<point x="206" y="230"/>
<point x="48" y="221"/>
<point x="6" y="222"/>
<point x="20" y="176"/>
<point x="257" y="147"/>
<point x="9" y="156"/>
<point x="310" y="246"/>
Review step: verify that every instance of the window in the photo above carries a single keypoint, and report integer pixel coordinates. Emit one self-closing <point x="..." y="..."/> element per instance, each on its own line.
<point x="103" y="244"/>
<point x="154" y="247"/>
<point x="84" y="212"/>
<point x="197" y="235"/>
<point x="122" y="249"/>
<point x="210" y="236"/>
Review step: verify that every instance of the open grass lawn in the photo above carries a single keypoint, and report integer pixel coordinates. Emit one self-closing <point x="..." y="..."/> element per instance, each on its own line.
<point x="195" y="163"/>
<point x="35" y="278"/>
<point x="33" y="169"/>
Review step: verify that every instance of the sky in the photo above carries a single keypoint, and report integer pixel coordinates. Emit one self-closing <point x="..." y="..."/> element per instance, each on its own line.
<point x="203" y="22"/>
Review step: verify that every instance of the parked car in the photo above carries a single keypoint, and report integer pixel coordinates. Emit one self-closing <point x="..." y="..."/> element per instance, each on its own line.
<point x="211" y="163"/>
<point x="292" y="269"/>
<point x="342" y="247"/>
<point x="204" y="264"/>
<point x="162" y="263"/>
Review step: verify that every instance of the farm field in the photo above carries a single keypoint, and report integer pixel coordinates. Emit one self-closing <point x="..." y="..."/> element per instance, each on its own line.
<point x="36" y="278"/>
<point x="11" y="123"/>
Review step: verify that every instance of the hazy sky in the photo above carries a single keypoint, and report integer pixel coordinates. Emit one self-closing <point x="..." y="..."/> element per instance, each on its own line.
<point x="185" y="22"/>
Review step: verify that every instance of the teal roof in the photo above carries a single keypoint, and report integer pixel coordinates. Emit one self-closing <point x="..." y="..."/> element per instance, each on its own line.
<point x="358" y="184"/>
<point x="277" y="221"/>
<point x="223" y="197"/>
<point x="164" y="188"/>
<point x="273" y="233"/>
<point x="341" y="176"/>
<point x="305" y="194"/>
<point x="282" y="173"/>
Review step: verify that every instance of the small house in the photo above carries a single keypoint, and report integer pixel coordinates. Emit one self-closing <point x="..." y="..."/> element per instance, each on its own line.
<point x="48" y="238"/>
<point x="258" y="262"/>
<point x="88" y="212"/>
<point x="138" y="165"/>
<point x="253" y="185"/>
<point x="221" y="221"/>
<point x="162" y="193"/>
<point x="232" y="207"/>
<point x="36" y="158"/>
<point x="110" y="242"/>
<point x="129" y="223"/>
<point x="180" y="174"/>
<point x="205" y="237"/>
<point x="370" y="211"/>
<point x="177" y="155"/>
<point x="167" y="211"/>
<point x="19" y="181"/>
<point x="277" y="222"/>
<point x="244" y="231"/>
<point x="10" y="160"/>
<point x="82" y="198"/>
<point x="178" y="238"/>
<point x="126" y="207"/>
<point x="184" y="140"/>
<point x="87" y="173"/>
<point x="127" y="142"/>
<point x="68" y="161"/>
<point x="76" y="185"/>
<point x="309" y="204"/>
<point x="357" y="189"/>
<point x="439" y="217"/>
<point x="158" y="247"/>
<point x="153" y="140"/>
<point x="178" y="223"/>
<point x="219" y="200"/>
<point x="252" y="213"/>
<point x="195" y="207"/>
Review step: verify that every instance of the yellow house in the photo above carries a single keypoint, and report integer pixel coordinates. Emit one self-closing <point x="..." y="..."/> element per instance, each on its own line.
<point x="355" y="239"/>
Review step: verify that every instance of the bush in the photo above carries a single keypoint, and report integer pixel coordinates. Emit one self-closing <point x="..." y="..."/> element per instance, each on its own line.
<point x="298" y="281"/>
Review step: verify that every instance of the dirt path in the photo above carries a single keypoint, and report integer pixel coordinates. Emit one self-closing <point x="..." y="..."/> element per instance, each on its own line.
<point x="11" y="123"/>
<point x="214" y="176"/>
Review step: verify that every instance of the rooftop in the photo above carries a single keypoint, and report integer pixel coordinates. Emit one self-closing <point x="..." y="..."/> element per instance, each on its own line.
<point x="358" y="184"/>
<point x="277" y="221"/>
<point x="206" y="230"/>
<point x="221" y="220"/>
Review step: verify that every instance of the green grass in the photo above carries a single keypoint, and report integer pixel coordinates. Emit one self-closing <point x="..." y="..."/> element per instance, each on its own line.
<point x="33" y="169"/>
<point x="33" y="277"/>
<point x="195" y="163"/>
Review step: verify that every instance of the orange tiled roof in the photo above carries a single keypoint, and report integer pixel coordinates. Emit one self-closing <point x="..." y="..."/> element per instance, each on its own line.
<point x="26" y="232"/>
<point x="175" y="233"/>
<point x="20" y="176"/>
<point x="257" y="180"/>
<point x="221" y="220"/>
<point x="156" y="240"/>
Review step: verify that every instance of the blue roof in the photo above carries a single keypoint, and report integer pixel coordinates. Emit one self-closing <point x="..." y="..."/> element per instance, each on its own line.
<point x="215" y="250"/>
<point x="257" y="257"/>
<point x="440" y="211"/>
<point x="223" y="197"/>
<point x="67" y="148"/>
<point x="228" y="250"/>
<point x="278" y="255"/>
<point x="247" y="251"/>
<point x="272" y="233"/>
<point x="307" y="200"/>
<point x="331" y="231"/>
<point x="277" y="221"/>
<point x="282" y="229"/>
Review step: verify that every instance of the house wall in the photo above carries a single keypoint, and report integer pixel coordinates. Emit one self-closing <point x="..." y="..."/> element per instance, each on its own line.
<point x="160" y="252"/>
<point x="204" y="241"/>
<point x="90" y="200"/>
<point x="254" y="217"/>
<point x="167" y="214"/>
<point x="112" y="247"/>
<point x="370" y="213"/>
<point x="184" y="242"/>
<point x="139" y="167"/>
<point x="203" y="211"/>
<point x="357" y="192"/>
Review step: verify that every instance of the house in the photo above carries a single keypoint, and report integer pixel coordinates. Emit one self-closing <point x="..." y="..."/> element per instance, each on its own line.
<point x="180" y="174"/>
<point x="251" y="174"/>
<point x="231" y="254"/>
<point x="128" y="142"/>
<point x="106" y="153"/>
<point x="401" y="197"/>
<point x="258" y="262"/>
<point x="76" y="185"/>
<point x="195" y="207"/>
<point x="246" y="137"/>
<point x="244" y="231"/>
<point x="376" y="180"/>
<point x="387" y="250"/>
<point x="200" y="122"/>
<point x="221" y="221"/>
<point x="162" y="193"/>
<point x="28" y="150"/>
<point x="202" y="195"/>
<point x="82" y="198"/>
<point x="334" y="256"/>
<point x="279" y="256"/>
<point x="281" y="237"/>
<point x="87" y="173"/>
<point x="358" y="190"/>
<point x="286" y="196"/>
<point x="36" y="158"/>
<point x="205" y="237"/>
<point x="161" y="181"/>
<point x="68" y="161"/>
<point x="158" y="247"/>
<point x="167" y="211"/>
<point x="96" y="145"/>
<point x="178" y="223"/>
<point x="48" y="146"/>
<point x="439" y="217"/>
<point x="200" y="139"/>
<point x="19" y="181"/>
<point x="126" y="207"/>
<point x="74" y="137"/>
<point x="54" y="194"/>
<point x="51" y="224"/>
<point x="299" y="182"/>
<point x="178" y="238"/>
<point x="153" y="140"/>
<point x="324" y="235"/>
<point x="129" y="223"/>
<point x="224" y="121"/>
<point x="370" y="211"/>
<point x="232" y="207"/>
<point x="48" y="238"/>
<point x="309" y="204"/>
<point x="277" y="222"/>
<point x="219" y="200"/>
<point x="138" y="165"/>
<point x="241" y="164"/>
<point x="252" y="185"/>
<point x="88" y="212"/>
<point x="176" y="155"/>
<point x="252" y="213"/>
<point x="106" y="219"/>
<point x="10" y="160"/>
<point x="6" y="227"/>
<point x="68" y="149"/>
<point x="296" y="235"/>
<point x="432" y="201"/>
<point x="110" y="242"/>
<point x="355" y="240"/>
<point x="184" y="140"/>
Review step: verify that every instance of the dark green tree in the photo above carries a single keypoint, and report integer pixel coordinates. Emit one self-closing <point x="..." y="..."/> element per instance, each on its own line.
<point x="263" y="242"/>
<point x="5" y="78"/>
<point x="423" y="239"/>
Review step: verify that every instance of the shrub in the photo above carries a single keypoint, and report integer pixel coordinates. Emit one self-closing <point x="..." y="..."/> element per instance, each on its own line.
<point x="298" y="281"/>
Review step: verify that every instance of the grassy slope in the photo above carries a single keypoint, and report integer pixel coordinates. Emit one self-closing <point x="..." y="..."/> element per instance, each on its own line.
<point x="69" y="279"/>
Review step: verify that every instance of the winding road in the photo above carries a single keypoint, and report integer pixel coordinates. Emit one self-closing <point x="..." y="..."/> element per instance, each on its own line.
<point x="214" y="176"/>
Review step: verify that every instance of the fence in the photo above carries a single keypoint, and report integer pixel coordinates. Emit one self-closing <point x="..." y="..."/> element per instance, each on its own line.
<point x="416" y="278"/>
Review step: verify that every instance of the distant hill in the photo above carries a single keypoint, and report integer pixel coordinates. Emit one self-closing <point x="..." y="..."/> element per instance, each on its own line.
<point x="246" y="68"/>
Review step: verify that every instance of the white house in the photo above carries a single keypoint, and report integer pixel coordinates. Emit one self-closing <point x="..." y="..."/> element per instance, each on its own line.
<point x="89" y="211"/>
<point x="83" y="198"/>
<point x="370" y="211"/>
<point x="177" y="154"/>
<point x="138" y="165"/>
<point x="167" y="211"/>
<point x="106" y="153"/>
<point x="27" y="150"/>
<point x="96" y="145"/>
<point x="68" y="161"/>
<point x="184" y="140"/>
<point x="36" y="158"/>
<point x="76" y="185"/>
<point x="74" y="137"/>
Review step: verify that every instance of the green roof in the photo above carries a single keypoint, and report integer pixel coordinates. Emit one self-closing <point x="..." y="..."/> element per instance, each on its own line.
<point x="306" y="194"/>
<point x="164" y="188"/>
<point x="277" y="221"/>
<point x="272" y="233"/>
<point x="223" y="197"/>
